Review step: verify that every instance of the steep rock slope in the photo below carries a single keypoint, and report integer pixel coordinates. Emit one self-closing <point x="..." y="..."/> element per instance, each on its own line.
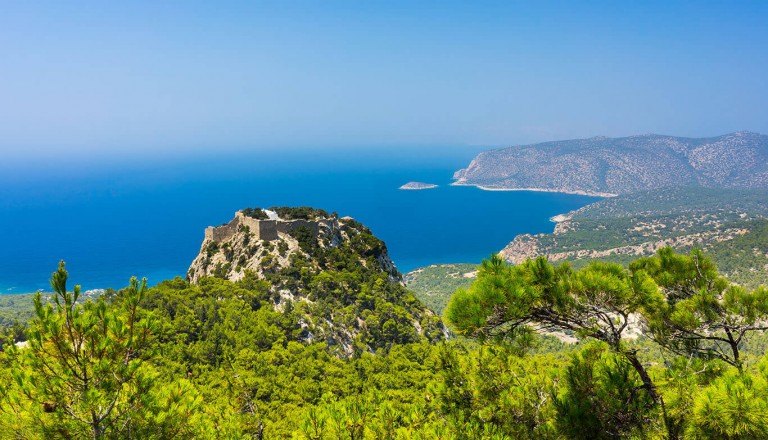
<point x="610" y="166"/>
<point x="332" y="271"/>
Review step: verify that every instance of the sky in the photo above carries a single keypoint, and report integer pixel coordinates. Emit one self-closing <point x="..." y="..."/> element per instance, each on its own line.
<point x="115" y="79"/>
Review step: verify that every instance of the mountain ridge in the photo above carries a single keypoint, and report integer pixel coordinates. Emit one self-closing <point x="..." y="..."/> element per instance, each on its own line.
<point x="606" y="166"/>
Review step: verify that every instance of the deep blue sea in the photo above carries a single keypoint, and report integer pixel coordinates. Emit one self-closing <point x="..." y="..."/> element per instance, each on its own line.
<point x="114" y="219"/>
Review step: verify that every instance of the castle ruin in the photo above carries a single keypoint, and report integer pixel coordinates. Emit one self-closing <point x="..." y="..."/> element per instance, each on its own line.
<point x="261" y="229"/>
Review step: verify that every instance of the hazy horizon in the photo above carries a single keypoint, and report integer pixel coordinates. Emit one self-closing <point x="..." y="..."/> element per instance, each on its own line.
<point x="100" y="81"/>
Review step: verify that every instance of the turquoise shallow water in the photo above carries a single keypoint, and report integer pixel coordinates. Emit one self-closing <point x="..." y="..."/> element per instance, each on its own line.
<point x="112" y="221"/>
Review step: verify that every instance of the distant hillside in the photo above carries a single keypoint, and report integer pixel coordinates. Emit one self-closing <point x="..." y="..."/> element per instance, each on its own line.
<point x="435" y="284"/>
<point x="333" y="273"/>
<point x="609" y="166"/>
<point x="730" y="225"/>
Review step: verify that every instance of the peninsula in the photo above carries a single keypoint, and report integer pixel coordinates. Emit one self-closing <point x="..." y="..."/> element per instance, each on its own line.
<point x="603" y="166"/>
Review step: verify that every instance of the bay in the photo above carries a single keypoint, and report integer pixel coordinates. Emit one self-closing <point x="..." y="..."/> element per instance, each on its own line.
<point x="113" y="219"/>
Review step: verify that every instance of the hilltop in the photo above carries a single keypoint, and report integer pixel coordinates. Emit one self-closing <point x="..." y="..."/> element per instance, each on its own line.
<point x="605" y="166"/>
<point x="332" y="272"/>
<point x="269" y="240"/>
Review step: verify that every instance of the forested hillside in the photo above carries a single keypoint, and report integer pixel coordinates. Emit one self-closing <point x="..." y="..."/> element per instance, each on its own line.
<point x="216" y="358"/>
<point x="729" y="225"/>
<point x="435" y="284"/>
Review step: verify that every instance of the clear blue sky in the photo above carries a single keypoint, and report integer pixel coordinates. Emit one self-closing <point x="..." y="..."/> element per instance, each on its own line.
<point x="112" y="78"/>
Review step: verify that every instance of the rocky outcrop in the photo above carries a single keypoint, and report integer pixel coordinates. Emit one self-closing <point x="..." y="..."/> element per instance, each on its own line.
<point x="258" y="245"/>
<point x="331" y="272"/>
<point x="608" y="166"/>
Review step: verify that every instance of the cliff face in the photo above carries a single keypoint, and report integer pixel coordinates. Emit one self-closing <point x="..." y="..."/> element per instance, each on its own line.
<point x="610" y="166"/>
<point x="331" y="271"/>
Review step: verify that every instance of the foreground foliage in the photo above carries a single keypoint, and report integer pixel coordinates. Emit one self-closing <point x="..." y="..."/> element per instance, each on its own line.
<point x="219" y="359"/>
<point x="680" y="301"/>
<point x="83" y="373"/>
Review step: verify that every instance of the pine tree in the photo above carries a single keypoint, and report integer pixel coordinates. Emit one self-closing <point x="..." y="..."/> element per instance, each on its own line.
<point x="704" y="314"/>
<point x="596" y="302"/>
<point x="82" y="373"/>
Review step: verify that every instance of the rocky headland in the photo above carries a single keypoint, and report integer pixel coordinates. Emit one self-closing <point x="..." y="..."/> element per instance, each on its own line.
<point x="605" y="166"/>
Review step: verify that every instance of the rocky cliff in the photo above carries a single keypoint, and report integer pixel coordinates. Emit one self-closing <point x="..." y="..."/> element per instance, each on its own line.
<point x="609" y="166"/>
<point x="332" y="271"/>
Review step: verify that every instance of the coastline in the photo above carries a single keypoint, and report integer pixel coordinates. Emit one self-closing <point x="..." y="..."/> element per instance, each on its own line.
<point x="559" y="218"/>
<point x="90" y="293"/>
<point x="561" y="191"/>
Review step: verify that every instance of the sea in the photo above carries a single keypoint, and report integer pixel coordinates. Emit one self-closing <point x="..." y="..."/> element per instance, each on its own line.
<point x="110" y="220"/>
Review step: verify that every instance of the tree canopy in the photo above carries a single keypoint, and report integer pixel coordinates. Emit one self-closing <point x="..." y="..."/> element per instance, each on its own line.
<point x="222" y="359"/>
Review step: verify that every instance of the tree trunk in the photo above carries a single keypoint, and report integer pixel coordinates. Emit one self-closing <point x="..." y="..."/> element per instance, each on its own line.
<point x="734" y="349"/>
<point x="672" y="431"/>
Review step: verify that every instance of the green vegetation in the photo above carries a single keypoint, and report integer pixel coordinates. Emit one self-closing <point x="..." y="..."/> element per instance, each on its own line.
<point x="299" y="213"/>
<point x="344" y="296"/>
<point x="15" y="309"/>
<point x="730" y="225"/>
<point x="334" y="275"/>
<point x="676" y="200"/>
<point x="744" y="260"/>
<point x="256" y="213"/>
<point x="692" y="313"/>
<point x="330" y="345"/>
<point x="85" y="373"/>
<point x="287" y="213"/>
<point x="434" y="285"/>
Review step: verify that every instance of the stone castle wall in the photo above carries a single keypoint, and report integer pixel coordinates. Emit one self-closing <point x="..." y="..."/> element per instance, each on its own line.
<point x="261" y="229"/>
<point x="223" y="232"/>
<point x="290" y="225"/>
<point x="265" y="229"/>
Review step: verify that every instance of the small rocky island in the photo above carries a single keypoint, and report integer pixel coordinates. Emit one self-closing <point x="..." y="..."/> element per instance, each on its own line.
<point x="418" y="185"/>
